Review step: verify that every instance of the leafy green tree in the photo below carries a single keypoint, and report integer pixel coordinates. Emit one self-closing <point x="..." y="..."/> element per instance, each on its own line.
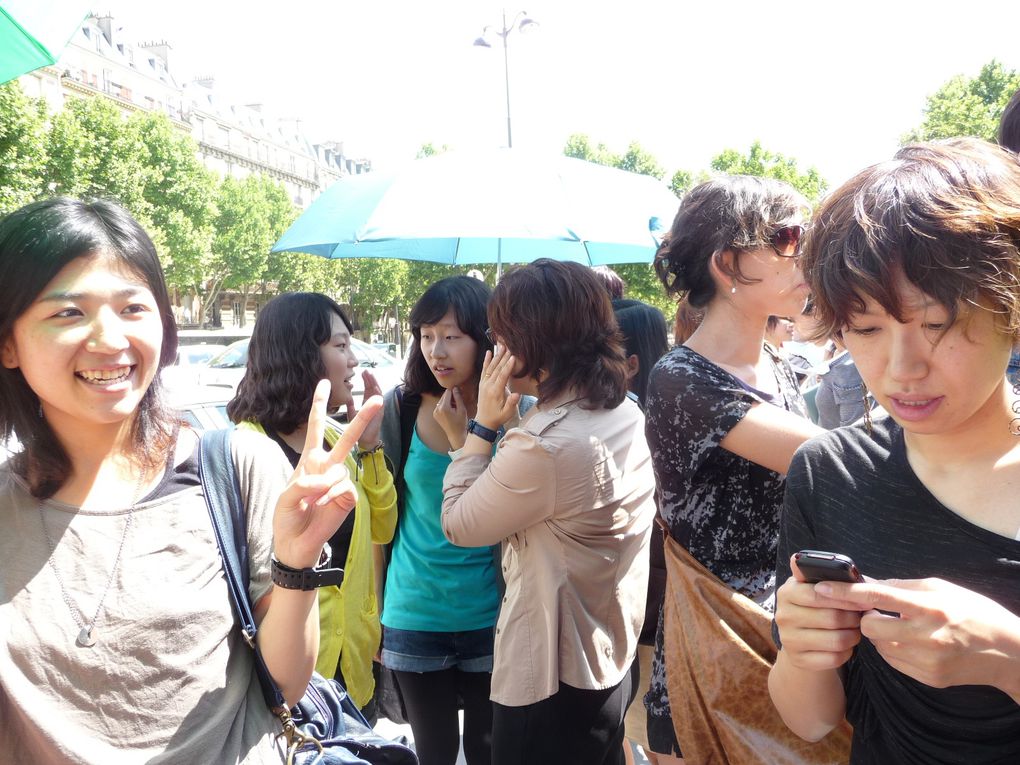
<point x="764" y="163"/>
<point x="683" y="181"/>
<point x="180" y="193"/>
<point x="252" y="214"/>
<point x="579" y="146"/>
<point x="642" y="283"/>
<point x="91" y="152"/>
<point x="300" y="272"/>
<point x="968" y="106"/>
<point x="637" y="160"/>
<point x="22" y="147"/>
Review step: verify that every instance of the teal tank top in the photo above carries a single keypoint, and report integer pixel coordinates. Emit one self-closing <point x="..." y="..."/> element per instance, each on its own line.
<point x="431" y="584"/>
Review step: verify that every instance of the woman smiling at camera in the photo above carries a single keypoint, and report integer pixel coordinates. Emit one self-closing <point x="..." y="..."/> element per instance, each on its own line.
<point x="118" y="642"/>
<point x="570" y="494"/>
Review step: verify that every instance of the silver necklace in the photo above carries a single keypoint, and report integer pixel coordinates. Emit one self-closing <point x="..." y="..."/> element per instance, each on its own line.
<point x="86" y="634"/>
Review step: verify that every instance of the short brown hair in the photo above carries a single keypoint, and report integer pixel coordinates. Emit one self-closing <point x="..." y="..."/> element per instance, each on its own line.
<point x="946" y="215"/>
<point x="557" y="317"/>
<point x="735" y="213"/>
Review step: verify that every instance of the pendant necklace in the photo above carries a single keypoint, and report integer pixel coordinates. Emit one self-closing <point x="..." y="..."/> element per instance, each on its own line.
<point x="87" y="635"/>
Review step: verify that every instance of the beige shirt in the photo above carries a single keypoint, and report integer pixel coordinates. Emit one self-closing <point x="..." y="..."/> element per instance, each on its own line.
<point x="169" y="679"/>
<point x="570" y="494"/>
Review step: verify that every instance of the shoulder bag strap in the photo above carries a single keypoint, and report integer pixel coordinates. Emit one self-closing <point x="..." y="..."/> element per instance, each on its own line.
<point x="229" y="519"/>
<point x="409" y="405"/>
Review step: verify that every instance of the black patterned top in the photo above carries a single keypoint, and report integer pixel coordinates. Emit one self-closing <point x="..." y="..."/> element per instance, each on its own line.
<point x="723" y="508"/>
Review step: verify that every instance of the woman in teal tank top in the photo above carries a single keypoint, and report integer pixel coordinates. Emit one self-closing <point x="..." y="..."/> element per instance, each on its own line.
<point x="440" y="601"/>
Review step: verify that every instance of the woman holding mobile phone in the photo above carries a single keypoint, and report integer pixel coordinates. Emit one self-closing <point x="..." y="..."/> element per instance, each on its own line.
<point x="916" y="263"/>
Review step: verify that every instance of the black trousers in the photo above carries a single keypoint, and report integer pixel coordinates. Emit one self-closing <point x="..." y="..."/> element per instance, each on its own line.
<point x="571" y="727"/>
<point x="432" y="700"/>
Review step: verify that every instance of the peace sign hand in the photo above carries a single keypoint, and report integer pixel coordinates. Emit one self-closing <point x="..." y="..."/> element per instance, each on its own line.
<point x="320" y="493"/>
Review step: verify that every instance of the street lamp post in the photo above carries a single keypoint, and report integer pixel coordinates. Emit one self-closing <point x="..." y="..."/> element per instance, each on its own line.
<point x="521" y="22"/>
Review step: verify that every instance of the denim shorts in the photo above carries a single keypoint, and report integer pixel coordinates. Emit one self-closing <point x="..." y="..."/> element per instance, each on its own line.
<point x="418" y="651"/>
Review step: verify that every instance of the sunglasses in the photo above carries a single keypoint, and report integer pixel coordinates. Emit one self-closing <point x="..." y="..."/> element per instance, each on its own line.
<point x="786" y="241"/>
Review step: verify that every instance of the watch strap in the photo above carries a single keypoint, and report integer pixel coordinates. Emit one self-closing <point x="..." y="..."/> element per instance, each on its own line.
<point x="304" y="578"/>
<point x="481" y="431"/>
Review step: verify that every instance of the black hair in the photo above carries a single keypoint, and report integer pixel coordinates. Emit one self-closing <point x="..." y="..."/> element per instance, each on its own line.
<point x="644" y="335"/>
<point x="945" y="215"/>
<point x="36" y="242"/>
<point x="735" y="213"/>
<point x="468" y="298"/>
<point x="285" y="360"/>
<point x="1009" y="124"/>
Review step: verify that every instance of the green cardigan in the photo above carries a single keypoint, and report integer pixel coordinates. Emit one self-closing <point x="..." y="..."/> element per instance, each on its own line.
<point x="349" y="629"/>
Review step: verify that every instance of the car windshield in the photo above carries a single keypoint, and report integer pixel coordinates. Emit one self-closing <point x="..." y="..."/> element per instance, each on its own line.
<point x="236" y="355"/>
<point x="198" y="354"/>
<point x="369" y="356"/>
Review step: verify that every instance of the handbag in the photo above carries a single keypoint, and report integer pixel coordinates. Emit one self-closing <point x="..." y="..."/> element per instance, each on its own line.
<point x="718" y="650"/>
<point x="325" y="727"/>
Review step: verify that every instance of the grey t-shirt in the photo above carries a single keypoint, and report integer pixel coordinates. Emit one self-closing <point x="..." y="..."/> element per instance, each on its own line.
<point x="169" y="679"/>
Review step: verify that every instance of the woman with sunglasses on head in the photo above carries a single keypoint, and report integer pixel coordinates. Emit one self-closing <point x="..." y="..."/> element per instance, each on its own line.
<point x="300" y="338"/>
<point x="915" y="262"/>
<point x="724" y="413"/>
<point x="118" y="638"/>
<point x="569" y="493"/>
<point x="441" y="600"/>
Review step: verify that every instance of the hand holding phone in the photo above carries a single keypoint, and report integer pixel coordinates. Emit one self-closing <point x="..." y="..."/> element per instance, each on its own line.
<point x="817" y="634"/>
<point x="819" y="566"/>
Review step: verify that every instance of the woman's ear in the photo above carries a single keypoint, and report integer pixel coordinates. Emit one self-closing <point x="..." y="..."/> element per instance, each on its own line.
<point x="9" y="354"/>
<point x="633" y="366"/>
<point x="722" y="267"/>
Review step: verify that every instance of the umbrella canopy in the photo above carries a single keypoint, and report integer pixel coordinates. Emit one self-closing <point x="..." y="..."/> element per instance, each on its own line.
<point x="497" y="206"/>
<point x="33" y="33"/>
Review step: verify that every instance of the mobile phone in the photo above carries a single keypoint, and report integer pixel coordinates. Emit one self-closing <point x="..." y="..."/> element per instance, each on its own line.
<point x="819" y="566"/>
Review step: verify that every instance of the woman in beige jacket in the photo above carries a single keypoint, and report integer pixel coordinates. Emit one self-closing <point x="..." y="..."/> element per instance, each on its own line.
<point x="569" y="492"/>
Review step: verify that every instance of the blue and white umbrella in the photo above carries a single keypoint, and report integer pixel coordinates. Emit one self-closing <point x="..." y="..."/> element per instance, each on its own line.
<point x="33" y="33"/>
<point x="498" y="206"/>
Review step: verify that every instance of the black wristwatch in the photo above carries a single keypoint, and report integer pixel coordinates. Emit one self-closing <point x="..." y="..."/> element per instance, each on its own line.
<point x="481" y="431"/>
<point x="306" y="578"/>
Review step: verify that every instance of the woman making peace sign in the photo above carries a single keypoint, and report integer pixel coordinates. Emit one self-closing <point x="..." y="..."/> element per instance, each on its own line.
<point x="115" y="618"/>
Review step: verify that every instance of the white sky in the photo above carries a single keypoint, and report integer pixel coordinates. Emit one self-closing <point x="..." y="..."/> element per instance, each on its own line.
<point x="832" y="84"/>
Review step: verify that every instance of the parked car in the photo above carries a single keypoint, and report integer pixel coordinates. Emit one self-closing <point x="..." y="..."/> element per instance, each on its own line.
<point x="227" y="369"/>
<point x="203" y="407"/>
<point x="198" y="355"/>
<point x="183" y="373"/>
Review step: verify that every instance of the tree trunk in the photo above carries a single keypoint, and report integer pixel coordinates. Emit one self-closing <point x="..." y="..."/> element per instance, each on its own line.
<point x="212" y="299"/>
